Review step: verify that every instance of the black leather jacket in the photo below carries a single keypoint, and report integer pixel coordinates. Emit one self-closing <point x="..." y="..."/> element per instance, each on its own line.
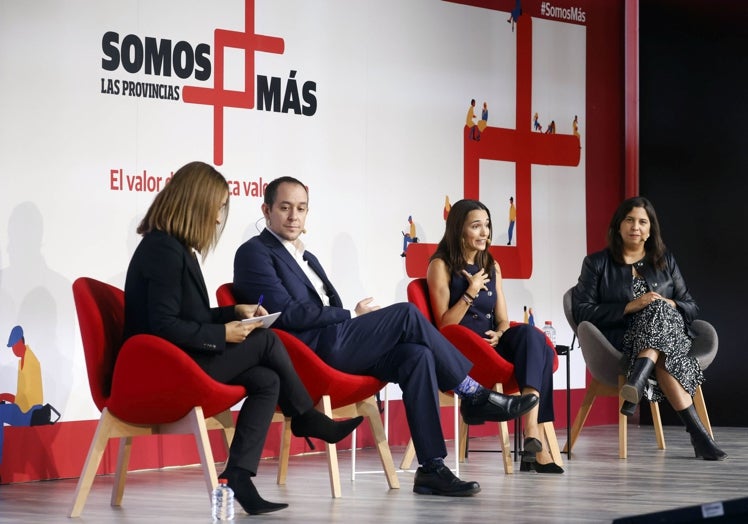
<point x="605" y="287"/>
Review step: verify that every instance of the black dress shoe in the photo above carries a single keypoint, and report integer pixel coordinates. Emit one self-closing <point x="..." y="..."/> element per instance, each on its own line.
<point x="245" y="493"/>
<point x="441" y="481"/>
<point x="495" y="407"/>
<point x="537" y="467"/>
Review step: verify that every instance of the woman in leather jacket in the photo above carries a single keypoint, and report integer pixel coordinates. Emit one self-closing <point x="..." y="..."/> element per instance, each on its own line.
<point x="635" y="294"/>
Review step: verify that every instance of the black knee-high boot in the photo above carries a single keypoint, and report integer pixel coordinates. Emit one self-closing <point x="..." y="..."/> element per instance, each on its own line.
<point x="703" y="444"/>
<point x="634" y="386"/>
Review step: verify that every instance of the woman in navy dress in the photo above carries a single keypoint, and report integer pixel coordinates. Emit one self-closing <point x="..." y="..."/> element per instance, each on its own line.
<point x="465" y="288"/>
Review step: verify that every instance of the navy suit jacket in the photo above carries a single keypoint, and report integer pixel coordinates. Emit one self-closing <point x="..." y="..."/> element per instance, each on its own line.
<point x="263" y="266"/>
<point x="165" y="295"/>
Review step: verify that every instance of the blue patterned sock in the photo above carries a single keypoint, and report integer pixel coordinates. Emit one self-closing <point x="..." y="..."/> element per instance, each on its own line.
<point x="468" y="388"/>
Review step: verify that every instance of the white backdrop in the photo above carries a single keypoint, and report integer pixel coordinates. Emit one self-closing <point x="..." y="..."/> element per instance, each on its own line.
<point x="393" y="81"/>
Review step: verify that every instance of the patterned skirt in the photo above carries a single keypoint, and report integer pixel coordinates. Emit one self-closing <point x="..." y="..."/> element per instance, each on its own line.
<point x="661" y="327"/>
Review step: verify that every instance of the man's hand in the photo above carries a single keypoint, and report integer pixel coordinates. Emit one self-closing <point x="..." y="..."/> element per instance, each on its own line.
<point x="366" y="306"/>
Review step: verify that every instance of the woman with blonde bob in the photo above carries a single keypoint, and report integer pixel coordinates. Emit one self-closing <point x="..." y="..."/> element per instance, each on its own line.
<point x="166" y="296"/>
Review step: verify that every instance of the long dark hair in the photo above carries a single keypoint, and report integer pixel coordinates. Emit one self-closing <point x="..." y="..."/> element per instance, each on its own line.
<point x="654" y="246"/>
<point x="449" y="248"/>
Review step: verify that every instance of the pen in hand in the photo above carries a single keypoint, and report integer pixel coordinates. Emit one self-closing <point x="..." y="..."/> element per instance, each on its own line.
<point x="259" y="303"/>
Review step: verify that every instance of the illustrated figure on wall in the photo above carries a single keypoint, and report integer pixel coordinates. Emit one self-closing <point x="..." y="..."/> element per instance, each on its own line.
<point x="536" y="124"/>
<point x="409" y="236"/>
<point x="447" y="206"/>
<point x="575" y="127"/>
<point x="515" y="13"/>
<point x="473" y="131"/>
<point x="531" y="317"/>
<point x="26" y="407"/>
<point x="512" y="219"/>
<point x="483" y="122"/>
<point x="551" y="129"/>
<point x="525" y="315"/>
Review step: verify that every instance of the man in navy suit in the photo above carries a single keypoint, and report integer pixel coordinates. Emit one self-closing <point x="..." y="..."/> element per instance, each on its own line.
<point x="395" y="344"/>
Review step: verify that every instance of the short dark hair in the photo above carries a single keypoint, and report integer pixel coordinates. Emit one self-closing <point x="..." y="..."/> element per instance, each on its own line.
<point x="271" y="191"/>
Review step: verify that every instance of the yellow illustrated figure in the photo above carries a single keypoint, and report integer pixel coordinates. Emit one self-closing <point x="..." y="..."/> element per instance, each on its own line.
<point x="410" y="236"/>
<point x="512" y="219"/>
<point x="25" y="407"/>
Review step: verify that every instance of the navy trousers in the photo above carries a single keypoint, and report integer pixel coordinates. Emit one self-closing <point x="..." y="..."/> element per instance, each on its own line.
<point x="525" y="347"/>
<point x="398" y="344"/>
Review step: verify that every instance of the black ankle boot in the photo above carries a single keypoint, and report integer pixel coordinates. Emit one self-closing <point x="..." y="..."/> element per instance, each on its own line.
<point x="318" y="425"/>
<point x="245" y="492"/>
<point x="702" y="442"/>
<point x="634" y="386"/>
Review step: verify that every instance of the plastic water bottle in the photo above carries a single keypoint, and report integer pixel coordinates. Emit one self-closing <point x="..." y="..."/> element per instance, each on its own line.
<point x="223" y="502"/>
<point x="550" y="331"/>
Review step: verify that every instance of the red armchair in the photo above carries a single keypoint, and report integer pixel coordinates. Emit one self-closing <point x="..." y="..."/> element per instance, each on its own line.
<point x="146" y="386"/>
<point x="489" y="369"/>
<point x="337" y="394"/>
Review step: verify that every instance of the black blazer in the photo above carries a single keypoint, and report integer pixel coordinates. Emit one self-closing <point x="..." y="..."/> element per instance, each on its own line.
<point x="165" y="295"/>
<point x="605" y="287"/>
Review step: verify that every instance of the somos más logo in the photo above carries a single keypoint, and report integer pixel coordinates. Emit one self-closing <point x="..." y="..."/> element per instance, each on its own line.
<point x="165" y="59"/>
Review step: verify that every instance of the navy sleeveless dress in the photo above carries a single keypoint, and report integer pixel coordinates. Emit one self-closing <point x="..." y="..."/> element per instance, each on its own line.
<point x="522" y="345"/>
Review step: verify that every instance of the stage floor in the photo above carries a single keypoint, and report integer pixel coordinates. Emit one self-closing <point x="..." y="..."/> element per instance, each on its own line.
<point x="597" y="487"/>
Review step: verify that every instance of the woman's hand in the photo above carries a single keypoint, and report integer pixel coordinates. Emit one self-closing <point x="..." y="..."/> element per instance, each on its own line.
<point x="237" y="331"/>
<point x="477" y="281"/>
<point x="492" y="337"/>
<point x="249" y="310"/>
<point x="645" y="300"/>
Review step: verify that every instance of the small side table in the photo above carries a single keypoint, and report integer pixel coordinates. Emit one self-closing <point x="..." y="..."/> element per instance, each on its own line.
<point x="565" y="351"/>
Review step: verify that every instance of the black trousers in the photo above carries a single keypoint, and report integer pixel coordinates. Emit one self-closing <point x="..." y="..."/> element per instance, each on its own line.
<point x="262" y="365"/>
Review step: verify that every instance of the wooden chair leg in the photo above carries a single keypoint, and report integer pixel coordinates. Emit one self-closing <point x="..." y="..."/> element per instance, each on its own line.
<point x="225" y="422"/>
<point x="285" y="451"/>
<point x="700" y="406"/>
<point x="194" y="423"/>
<point x="370" y="410"/>
<point x="325" y="406"/>
<point x="408" y="456"/>
<point x="506" y="450"/>
<point x="550" y="438"/>
<point x="657" y="423"/>
<point x="93" y="459"/>
<point x="582" y="414"/>
<point x="623" y="422"/>
<point x="120" y="475"/>
<point x="463" y="440"/>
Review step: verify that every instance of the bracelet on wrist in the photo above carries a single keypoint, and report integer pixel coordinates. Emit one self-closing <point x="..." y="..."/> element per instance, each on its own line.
<point x="465" y="298"/>
<point x="469" y="296"/>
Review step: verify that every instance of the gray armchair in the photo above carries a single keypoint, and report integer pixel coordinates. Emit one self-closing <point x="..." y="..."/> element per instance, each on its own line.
<point x="604" y="364"/>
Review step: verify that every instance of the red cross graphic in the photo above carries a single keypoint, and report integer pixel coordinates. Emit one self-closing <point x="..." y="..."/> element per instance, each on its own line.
<point x="217" y="96"/>
<point x="521" y="146"/>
